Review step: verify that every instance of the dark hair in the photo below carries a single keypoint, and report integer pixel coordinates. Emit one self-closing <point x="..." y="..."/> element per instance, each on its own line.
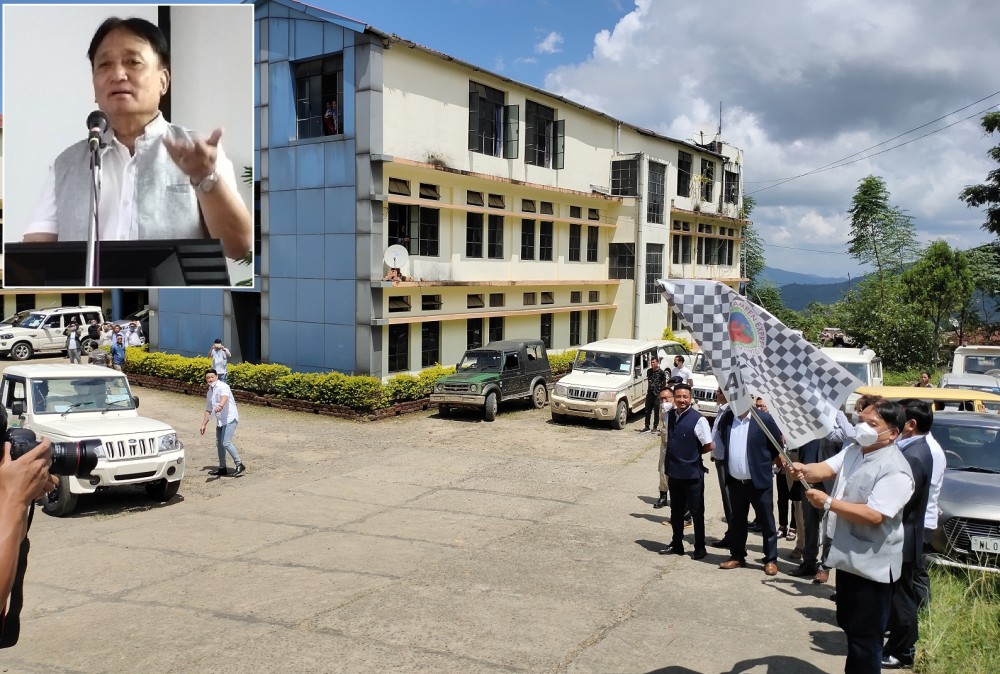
<point x="218" y="341"/>
<point x="211" y="370"/>
<point x="891" y="413"/>
<point x="919" y="411"/>
<point x="682" y="387"/>
<point x="142" y="29"/>
<point x="679" y="356"/>
<point x="656" y="358"/>
<point x="867" y="401"/>
<point x="927" y="373"/>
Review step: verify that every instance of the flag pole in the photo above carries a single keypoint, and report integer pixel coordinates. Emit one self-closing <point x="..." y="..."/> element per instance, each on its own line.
<point x="776" y="443"/>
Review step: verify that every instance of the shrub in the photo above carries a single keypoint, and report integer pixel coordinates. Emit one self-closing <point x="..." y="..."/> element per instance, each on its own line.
<point x="669" y="334"/>
<point x="405" y="387"/>
<point x="559" y="362"/>
<point x="907" y="377"/>
<point x="258" y="378"/>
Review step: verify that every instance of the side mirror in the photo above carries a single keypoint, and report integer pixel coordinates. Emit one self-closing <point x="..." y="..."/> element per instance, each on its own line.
<point x="135" y="399"/>
<point x="17" y="409"/>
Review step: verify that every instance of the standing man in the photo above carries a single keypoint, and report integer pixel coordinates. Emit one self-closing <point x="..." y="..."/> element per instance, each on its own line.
<point x="118" y="352"/>
<point x="719" y="459"/>
<point x="681" y="371"/>
<point x="938" y="463"/>
<point x="219" y="401"/>
<point x="134" y="336"/>
<point x="656" y="381"/>
<point x="900" y="646"/>
<point x="73" y="343"/>
<point x="865" y="526"/>
<point x="749" y="456"/>
<point x="666" y="405"/>
<point x="220" y="356"/>
<point x="688" y="437"/>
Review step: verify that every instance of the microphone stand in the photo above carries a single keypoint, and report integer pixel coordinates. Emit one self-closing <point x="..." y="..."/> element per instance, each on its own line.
<point x="93" y="231"/>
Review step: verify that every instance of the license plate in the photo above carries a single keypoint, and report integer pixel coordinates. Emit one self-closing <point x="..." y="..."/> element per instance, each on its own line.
<point x="984" y="544"/>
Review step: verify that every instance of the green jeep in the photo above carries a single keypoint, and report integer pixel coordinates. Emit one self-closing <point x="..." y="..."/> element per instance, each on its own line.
<point x="505" y="370"/>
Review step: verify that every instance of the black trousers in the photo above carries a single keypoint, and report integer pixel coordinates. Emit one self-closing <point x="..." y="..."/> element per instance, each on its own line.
<point x="811" y="534"/>
<point x="653" y="407"/>
<point x="727" y="507"/>
<point x="905" y="604"/>
<point x="687" y="496"/>
<point x="743" y="496"/>
<point x="862" y="612"/>
<point x="921" y="581"/>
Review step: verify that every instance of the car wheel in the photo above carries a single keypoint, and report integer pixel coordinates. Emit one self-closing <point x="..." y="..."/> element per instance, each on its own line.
<point x="161" y="490"/>
<point x="21" y="351"/>
<point x="621" y="415"/>
<point x="539" y="395"/>
<point x="87" y="345"/>
<point x="60" y="501"/>
<point x="490" y="409"/>
<point x="558" y="418"/>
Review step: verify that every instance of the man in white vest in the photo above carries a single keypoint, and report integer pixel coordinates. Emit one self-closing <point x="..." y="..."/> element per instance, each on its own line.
<point x="159" y="180"/>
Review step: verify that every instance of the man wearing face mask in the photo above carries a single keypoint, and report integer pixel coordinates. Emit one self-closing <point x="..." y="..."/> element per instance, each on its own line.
<point x="666" y="405"/>
<point x="865" y="526"/>
<point x="219" y="401"/>
<point x="900" y="646"/>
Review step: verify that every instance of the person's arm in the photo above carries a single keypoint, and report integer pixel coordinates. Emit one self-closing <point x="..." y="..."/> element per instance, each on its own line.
<point x="703" y="432"/>
<point x="43" y="225"/>
<point x="812" y="473"/>
<point x="858" y="513"/>
<point x="228" y="353"/>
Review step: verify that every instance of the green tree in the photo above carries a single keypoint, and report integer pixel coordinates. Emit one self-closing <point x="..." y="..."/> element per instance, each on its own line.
<point x="752" y="254"/>
<point x="882" y="235"/>
<point x="984" y="265"/>
<point x="938" y="286"/>
<point x="878" y="316"/>
<point x="987" y="194"/>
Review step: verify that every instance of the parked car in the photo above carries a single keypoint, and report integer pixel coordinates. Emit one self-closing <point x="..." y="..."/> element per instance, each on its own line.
<point x="16" y="318"/>
<point x="705" y="385"/>
<point x="42" y="331"/>
<point x="968" y="532"/>
<point x="942" y="399"/>
<point x="500" y="371"/>
<point x="863" y="363"/>
<point x="977" y="360"/>
<point x="974" y="382"/>
<point x="141" y="316"/>
<point x="70" y="403"/>
<point x="609" y="380"/>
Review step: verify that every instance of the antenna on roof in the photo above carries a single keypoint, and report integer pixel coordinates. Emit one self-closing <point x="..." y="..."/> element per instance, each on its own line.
<point x="720" y="120"/>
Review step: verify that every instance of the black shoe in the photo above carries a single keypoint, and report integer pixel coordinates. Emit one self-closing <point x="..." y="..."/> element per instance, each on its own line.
<point x="672" y="550"/>
<point x="218" y="471"/>
<point x="803" y="570"/>
<point x="754" y="528"/>
<point x="892" y="662"/>
<point x="664" y="500"/>
<point x="240" y="469"/>
<point x="698" y="554"/>
<point x="721" y="543"/>
<point x="645" y="430"/>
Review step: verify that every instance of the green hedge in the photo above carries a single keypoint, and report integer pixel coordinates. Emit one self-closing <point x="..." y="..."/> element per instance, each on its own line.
<point x="559" y="362"/>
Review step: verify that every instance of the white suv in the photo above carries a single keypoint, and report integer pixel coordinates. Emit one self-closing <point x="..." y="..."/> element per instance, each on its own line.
<point x="42" y="331"/>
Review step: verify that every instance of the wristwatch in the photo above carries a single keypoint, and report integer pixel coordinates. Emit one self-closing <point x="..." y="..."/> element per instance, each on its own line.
<point x="827" y="503"/>
<point x="206" y="184"/>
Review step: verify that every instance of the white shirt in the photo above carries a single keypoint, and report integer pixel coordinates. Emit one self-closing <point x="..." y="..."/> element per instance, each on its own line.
<point x="117" y="210"/>
<point x="228" y="414"/>
<point x="717" y="451"/>
<point x="938" y="463"/>
<point x="682" y="372"/>
<point x="72" y="344"/>
<point x="220" y="359"/>
<point x="132" y="337"/>
<point x="737" y="464"/>
<point x="888" y="495"/>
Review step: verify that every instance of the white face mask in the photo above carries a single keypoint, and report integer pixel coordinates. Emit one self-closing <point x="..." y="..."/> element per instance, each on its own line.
<point x="865" y="435"/>
<point x="666" y="407"/>
<point x="855" y="418"/>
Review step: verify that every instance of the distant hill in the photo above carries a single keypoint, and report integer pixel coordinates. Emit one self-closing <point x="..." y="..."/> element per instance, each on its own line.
<point x="797" y="296"/>
<point x="781" y="278"/>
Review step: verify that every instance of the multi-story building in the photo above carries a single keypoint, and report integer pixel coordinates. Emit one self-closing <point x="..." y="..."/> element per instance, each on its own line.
<point x="522" y="213"/>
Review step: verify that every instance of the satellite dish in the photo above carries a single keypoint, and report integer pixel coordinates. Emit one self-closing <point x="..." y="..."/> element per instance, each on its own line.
<point x="396" y="257"/>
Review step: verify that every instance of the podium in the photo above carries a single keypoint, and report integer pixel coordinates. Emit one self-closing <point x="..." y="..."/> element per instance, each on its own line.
<point x="157" y="263"/>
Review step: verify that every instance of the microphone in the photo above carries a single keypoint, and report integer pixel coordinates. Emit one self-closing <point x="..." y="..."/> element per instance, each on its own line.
<point x="97" y="123"/>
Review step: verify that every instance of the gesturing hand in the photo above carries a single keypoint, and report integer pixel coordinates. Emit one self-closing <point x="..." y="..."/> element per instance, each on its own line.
<point x="26" y="479"/>
<point x="195" y="158"/>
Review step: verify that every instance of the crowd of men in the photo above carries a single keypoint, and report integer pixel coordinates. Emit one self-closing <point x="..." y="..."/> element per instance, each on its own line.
<point x="870" y="504"/>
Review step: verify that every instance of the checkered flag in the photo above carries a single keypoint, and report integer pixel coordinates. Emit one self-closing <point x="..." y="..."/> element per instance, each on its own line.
<point x="752" y="351"/>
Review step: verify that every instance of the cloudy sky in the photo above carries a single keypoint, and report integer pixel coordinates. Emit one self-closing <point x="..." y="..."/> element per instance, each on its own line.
<point x="802" y="84"/>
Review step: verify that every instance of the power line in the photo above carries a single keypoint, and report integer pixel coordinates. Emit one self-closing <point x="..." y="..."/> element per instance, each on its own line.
<point x="808" y="250"/>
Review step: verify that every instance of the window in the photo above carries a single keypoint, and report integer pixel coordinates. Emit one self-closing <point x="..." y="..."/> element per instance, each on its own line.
<point x="545" y="142"/>
<point x="530" y="299"/>
<point x="547" y="298"/>
<point x="546" y="330"/>
<point x="546" y="208"/>
<point x="675" y="322"/>
<point x="474" y="301"/>
<point x="496" y="299"/>
<point x="405" y="220"/>
<point x="593" y="214"/>
<point x="399" y="186"/>
<point x="428" y="231"/>
<point x="657" y="187"/>
<point x="494" y="237"/>
<point x="493" y="126"/>
<point x="594" y="296"/>
<point x="473" y="333"/>
<point x="399" y="347"/>
<point x="715" y="251"/>
<point x="399" y="303"/>
<point x="496" y="328"/>
<point x="496" y="201"/>
<point x="474" y="199"/>
<point x="473" y="235"/>
<point x="533" y="351"/>
<point x="430" y="341"/>
<point x="621" y="260"/>
<point x="430" y="302"/>
<point x="684" y="160"/>
<point x="682" y="249"/>
<point x="24" y="302"/>
<point x="575" y="212"/>
<point x="527" y="239"/>
<point x="70" y="299"/>
<point x="707" y="179"/>
<point x="574" y="243"/>
<point x="429" y="191"/>
<point x="654" y="271"/>
<point x="592" y="326"/>
<point x="731" y="187"/>
<point x="319" y="94"/>
<point x="625" y="177"/>
<point x="545" y="241"/>
<point x="527" y="206"/>
<point x="574" y="328"/>
<point x="575" y="296"/>
<point x="592" y="235"/>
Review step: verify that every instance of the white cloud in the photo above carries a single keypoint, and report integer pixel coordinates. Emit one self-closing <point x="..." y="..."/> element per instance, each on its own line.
<point x="550" y="44"/>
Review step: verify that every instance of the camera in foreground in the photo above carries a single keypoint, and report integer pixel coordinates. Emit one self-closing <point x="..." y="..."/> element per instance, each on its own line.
<point x="68" y="458"/>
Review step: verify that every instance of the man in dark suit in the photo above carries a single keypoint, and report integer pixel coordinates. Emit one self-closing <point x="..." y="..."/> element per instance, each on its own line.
<point x="900" y="646"/>
<point x="748" y="456"/>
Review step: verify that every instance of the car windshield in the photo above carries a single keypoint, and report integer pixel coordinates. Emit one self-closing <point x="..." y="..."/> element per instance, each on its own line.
<point x="602" y="361"/>
<point x="15" y="320"/>
<point x="71" y="395"/>
<point x="859" y="370"/>
<point x="480" y="361"/>
<point x="968" y="446"/>
<point x="32" y="321"/>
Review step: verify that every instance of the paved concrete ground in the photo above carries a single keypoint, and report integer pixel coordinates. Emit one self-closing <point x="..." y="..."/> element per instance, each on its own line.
<point x="414" y="544"/>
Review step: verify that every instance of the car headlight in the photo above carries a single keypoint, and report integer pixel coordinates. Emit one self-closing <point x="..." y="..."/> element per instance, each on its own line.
<point x="99" y="452"/>
<point x="561" y="389"/>
<point x="7" y="336"/>
<point x="168" y="442"/>
<point x="438" y="388"/>
<point x="473" y="388"/>
<point x="606" y="395"/>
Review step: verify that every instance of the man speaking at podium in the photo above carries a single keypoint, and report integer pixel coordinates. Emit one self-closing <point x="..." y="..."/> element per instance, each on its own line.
<point x="159" y="180"/>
